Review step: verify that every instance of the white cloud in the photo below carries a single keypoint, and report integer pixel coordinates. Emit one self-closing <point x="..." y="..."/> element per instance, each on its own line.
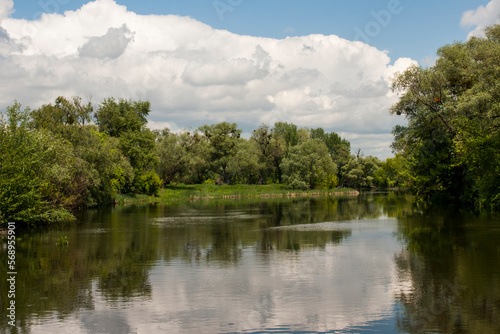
<point x="482" y="17"/>
<point x="6" y="8"/>
<point x="194" y="74"/>
<point x="110" y="45"/>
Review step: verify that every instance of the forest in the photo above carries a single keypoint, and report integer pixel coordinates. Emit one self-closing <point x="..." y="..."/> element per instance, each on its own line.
<point x="72" y="154"/>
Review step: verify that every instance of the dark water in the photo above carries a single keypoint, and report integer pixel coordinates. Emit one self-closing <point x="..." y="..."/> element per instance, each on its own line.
<point x="372" y="264"/>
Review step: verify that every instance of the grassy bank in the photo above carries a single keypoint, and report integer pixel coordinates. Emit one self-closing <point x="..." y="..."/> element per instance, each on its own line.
<point x="212" y="191"/>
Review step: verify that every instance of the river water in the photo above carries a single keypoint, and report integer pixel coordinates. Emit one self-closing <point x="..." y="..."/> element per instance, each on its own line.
<point x="375" y="263"/>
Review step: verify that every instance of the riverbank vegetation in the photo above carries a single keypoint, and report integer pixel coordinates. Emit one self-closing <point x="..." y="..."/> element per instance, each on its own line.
<point x="208" y="191"/>
<point x="70" y="155"/>
<point x="451" y="143"/>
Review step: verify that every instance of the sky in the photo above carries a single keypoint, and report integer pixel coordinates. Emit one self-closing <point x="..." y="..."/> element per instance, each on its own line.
<point x="316" y="64"/>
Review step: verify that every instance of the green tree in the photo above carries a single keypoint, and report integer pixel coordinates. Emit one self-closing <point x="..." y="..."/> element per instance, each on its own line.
<point x="126" y="120"/>
<point x="339" y="148"/>
<point x="360" y="172"/>
<point x="452" y="139"/>
<point x="109" y="172"/>
<point x="33" y="171"/>
<point x="309" y="166"/>
<point x="183" y="157"/>
<point x="196" y="157"/>
<point x="102" y="169"/>
<point x="271" y="151"/>
<point x="288" y="132"/>
<point x="170" y="154"/>
<point x="393" y="172"/>
<point x="65" y="118"/>
<point x="246" y="166"/>
<point x="223" y="142"/>
<point x="117" y="117"/>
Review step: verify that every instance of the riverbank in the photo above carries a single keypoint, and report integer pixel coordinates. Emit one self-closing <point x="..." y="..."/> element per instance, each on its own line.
<point x="198" y="192"/>
<point x="212" y="191"/>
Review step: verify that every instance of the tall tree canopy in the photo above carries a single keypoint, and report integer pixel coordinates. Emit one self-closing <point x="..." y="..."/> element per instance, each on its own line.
<point x="223" y="141"/>
<point x="452" y="139"/>
<point x="127" y="120"/>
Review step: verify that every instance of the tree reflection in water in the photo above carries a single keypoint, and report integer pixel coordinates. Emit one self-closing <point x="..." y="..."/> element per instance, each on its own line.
<point x="270" y="254"/>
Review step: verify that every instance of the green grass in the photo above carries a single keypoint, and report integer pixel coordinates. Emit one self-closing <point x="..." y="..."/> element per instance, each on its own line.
<point x="212" y="191"/>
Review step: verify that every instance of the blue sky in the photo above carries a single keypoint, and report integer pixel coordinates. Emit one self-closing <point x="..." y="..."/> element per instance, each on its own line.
<point x="324" y="63"/>
<point x="417" y="31"/>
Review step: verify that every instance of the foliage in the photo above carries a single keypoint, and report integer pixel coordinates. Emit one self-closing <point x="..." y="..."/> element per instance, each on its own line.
<point x="109" y="171"/>
<point x="360" y="172"/>
<point x="149" y="183"/>
<point x="33" y="174"/>
<point x="118" y="117"/>
<point x="64" y="118"/>
<point x="288" y="132"/>
<point x="182" y="158"/>
<point x="339" y="149"/>
<point x="102" y="169"/>
<point x="74" y="155"/>
<point x="126" y="120"/>
<point x="271" y="150"/>
<point x="246" y="167"/>
<point x="223" y="141"/>
<point x="452" y="140"/>
<point x="393" y="173"/>
<point x="309" y="166"/>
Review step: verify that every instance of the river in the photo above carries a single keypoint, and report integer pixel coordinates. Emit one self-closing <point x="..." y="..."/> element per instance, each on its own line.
<point x="375" y="263"/>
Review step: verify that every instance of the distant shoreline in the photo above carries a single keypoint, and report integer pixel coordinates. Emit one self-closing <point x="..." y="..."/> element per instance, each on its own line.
<point x="210" y="191"/>
<point x="200" y="192"/>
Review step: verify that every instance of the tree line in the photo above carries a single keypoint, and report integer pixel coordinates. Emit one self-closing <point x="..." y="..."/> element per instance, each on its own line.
<point x="71" y="154"/>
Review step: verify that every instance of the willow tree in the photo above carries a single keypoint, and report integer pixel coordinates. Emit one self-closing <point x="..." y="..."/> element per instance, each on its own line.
<point x="127" y="121"/>
<point x="309" y="166"/>
<point x="452" y="136"/>
<point x="223" y="139"/>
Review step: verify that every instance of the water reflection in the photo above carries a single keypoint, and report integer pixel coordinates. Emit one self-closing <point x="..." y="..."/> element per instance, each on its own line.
<point x="351" y="265"/>
<point x="452" y="272"/>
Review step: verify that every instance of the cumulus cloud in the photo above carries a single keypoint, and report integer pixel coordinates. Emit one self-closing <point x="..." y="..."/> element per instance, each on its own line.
<point x="7" y="45"/>
<point x="194" y="74"/>
<point x="6" y="8"/>
<point x="110" y="45"/>
<point x="482" y="17"/>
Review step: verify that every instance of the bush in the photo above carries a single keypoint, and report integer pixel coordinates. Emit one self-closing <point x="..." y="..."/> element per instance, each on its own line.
<point x="150" y="183"/>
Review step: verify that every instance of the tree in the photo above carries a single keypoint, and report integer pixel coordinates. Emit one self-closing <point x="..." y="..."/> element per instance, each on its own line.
<point x="246" y="166"/>
<point x="170" y="154"/>
<point x="339" y="149"/>
<point x="109" y="172"/>
<point x="271" y="150"/>
<point x="33" y="173"/>
<point x="288" y="132"/>
<point x="360" y="171"/>
<point x="392" y="173"/>
<point x="101" y="169"/>
<point x="223" y="141"/>
<point x="309" y="166"/>
<point x="116" y="117"/>
<point x="66" y="119"/>
<point x="452" y="140"/>
<point x="126" y="120"/>
<point x="183" y="157"/>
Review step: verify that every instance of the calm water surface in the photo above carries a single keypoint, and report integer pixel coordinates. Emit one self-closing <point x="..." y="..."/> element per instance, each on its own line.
<point x="371" y="264"/>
